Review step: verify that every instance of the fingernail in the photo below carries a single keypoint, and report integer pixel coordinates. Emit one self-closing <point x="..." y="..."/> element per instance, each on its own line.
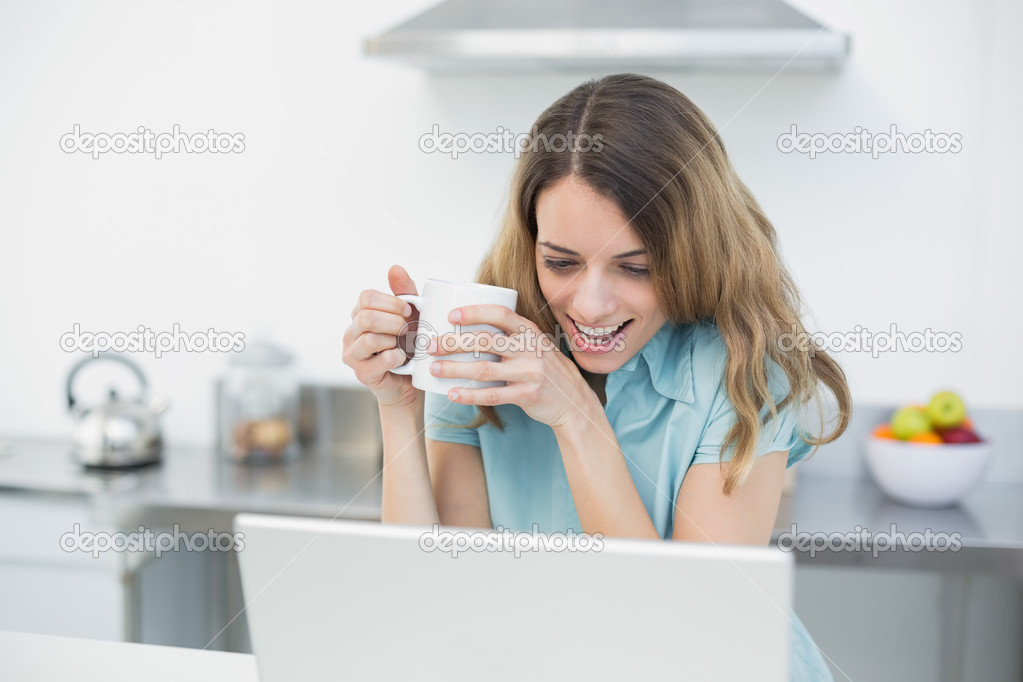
<point x="456" y="315"/>
<point x="408" y="310"/>
<point x="431" y="346"/>
<point x="434" y="368"/>
<point x="453" y="394"/>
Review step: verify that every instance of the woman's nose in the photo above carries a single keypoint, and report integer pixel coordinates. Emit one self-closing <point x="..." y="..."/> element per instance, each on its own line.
<point x="594" y="299"/>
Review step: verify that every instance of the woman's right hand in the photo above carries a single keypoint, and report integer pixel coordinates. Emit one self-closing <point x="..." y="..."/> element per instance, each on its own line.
<point x="371" y="342"/>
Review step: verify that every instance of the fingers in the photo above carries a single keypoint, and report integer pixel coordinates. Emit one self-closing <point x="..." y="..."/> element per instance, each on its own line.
<point x="502" y="317"/>
<point x="367" y="320"/>
<point x="505" y="345"/>
<point x="377" y="321"/>
<point x="371" y="343"/>
<point x="483" y="396"/>
<point x="378" y="300"/>
<point x="366" y="345"/>
<point x="483" y="370"/>
<point x="387" y="359"/>
<point x="370" y="371"/>
<point x="473" y="342"/>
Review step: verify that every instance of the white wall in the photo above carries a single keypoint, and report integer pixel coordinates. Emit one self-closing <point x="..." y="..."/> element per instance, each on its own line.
<point x="332" y="188"/>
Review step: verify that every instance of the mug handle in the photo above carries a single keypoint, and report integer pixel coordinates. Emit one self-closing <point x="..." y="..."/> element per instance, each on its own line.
<point x="417" y="303"/>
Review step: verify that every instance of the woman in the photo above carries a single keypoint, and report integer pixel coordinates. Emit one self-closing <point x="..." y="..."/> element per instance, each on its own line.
<point x="667" y="404"/>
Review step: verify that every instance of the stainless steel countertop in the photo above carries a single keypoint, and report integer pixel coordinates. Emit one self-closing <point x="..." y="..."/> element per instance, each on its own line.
<point x="324" y="484"/>
<point x="198" y="489"/>
<point x="987" y="525"/>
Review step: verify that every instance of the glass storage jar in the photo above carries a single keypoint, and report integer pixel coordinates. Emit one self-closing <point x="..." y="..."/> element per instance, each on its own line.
<point x="259" y="405"/>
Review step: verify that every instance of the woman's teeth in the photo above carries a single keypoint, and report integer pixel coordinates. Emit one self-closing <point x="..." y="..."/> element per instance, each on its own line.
<point x="599" y="336"/>
<point x="596" y="331"/>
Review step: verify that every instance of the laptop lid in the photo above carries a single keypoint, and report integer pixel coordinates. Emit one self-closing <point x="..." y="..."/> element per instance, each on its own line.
<point x="356" y="600"/>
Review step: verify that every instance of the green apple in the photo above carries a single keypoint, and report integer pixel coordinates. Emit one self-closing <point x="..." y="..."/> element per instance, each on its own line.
<point x="908" y="422"/>
<point x="946" y="410"/>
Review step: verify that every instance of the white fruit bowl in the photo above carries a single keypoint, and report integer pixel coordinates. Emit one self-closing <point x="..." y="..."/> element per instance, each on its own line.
<point x="925" y="474"/>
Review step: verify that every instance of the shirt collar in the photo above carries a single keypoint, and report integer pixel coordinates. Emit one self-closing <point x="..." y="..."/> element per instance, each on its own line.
<point x="668" y="356"/>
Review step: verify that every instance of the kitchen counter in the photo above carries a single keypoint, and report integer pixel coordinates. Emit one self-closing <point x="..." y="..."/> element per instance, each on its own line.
<point x="199" y="490"/>
<point x="987" y="526"/>
<point x="194" y="599"/>
<point x="54" y="507"/>
<point x="323" y="484"/>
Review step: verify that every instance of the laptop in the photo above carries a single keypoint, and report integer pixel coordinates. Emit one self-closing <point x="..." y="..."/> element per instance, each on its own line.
<point x="358" y="600"/>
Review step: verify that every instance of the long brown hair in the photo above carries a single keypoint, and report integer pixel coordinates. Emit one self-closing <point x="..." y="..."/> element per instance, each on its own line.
<point x="713" y="252"/>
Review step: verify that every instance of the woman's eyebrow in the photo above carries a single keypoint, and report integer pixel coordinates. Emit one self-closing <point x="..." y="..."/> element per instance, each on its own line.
<point x="570" y="252"/>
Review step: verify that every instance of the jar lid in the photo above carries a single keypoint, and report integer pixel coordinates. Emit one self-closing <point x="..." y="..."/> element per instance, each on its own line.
<point x="261" y="352"/>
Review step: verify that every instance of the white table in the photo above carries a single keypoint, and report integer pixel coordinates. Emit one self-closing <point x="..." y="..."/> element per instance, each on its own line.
<point x="44" y="658"/>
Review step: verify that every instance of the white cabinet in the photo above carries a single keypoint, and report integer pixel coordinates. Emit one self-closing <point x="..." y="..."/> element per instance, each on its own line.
<point x="48" y="590"/>
<point x="61" y="600"/>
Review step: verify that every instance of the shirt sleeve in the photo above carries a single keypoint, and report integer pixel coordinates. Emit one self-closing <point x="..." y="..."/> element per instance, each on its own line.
<point x="441" y="415"/>
<point x="779" y="434"/>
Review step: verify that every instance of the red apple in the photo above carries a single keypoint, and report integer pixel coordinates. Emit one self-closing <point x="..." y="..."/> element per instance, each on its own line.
<point x="960" y="435"/>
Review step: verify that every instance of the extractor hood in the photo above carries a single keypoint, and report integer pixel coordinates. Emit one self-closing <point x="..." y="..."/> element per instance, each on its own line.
<point x="677" y="35"/>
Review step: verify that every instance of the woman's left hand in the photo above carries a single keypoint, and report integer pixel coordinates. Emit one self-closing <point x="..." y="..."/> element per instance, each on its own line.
<point x="539" y="378"/>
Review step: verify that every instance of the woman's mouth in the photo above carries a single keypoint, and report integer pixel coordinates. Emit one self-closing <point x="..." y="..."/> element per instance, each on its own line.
<point x="597" y="340"/>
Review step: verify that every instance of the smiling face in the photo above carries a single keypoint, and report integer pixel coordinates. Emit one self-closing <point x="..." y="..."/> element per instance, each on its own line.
<point x="594" y="273"/>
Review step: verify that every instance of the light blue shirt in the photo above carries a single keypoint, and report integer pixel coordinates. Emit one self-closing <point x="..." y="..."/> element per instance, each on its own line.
<point x="668" y="407"/>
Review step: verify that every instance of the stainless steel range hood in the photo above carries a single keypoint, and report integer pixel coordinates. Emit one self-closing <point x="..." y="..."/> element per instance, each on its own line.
<point x="678" y="35"/>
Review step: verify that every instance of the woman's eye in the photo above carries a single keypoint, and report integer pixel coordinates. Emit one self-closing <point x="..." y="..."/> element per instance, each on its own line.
<point x="636" y="272"/>
<point x="556" y="264"/>
<point x="559" y="265"/>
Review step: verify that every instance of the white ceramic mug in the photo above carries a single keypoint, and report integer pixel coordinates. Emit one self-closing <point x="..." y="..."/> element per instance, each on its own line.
<point x="438" y="299"/>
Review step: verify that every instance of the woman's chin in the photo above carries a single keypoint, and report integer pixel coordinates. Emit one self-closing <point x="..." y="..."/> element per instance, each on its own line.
<point x="599" y="363"/>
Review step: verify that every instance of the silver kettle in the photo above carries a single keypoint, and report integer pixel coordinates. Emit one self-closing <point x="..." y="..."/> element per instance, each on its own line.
<point x="118" y="433"/>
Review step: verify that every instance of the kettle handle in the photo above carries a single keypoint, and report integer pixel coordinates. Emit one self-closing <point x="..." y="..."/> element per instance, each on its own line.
<point x="102" y="356"/>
